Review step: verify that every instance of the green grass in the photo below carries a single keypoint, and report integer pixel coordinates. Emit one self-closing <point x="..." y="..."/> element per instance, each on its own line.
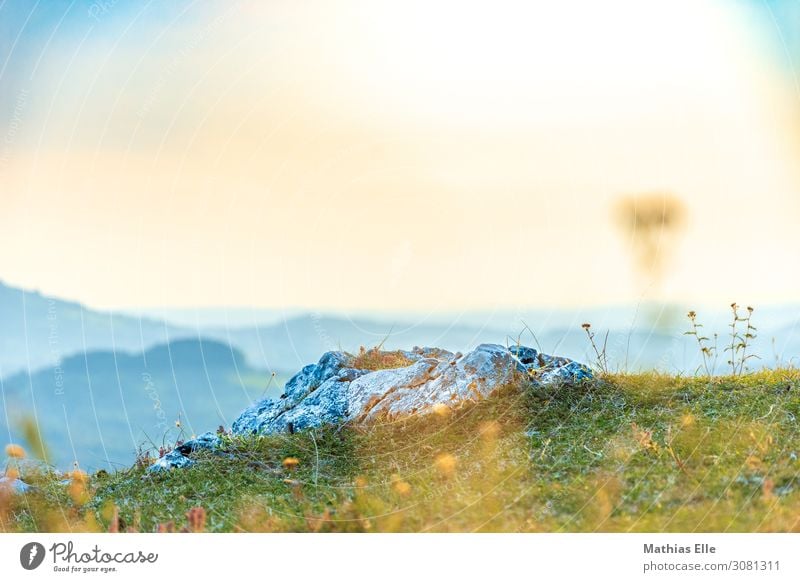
<point x="644" y="452"/>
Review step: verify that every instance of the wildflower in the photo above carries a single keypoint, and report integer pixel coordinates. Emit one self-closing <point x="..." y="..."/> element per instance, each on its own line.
<point x="446" y="464"/>
<point x="586" y="325"/>
<point x="196" y="517"/>
<point x="489" y="430"/>
<point x="15" y="451"/>
<point x="753" y="463"/>
<point x="178" y="423"/>
<point x="79" y="476"/>
<point x="77" y="487"/>
<point x="644" y="438"/>
<point x="143" y="459"/>
<point x="692" y="314"/>
<point x="768" y="489"/>
<point x="12" y="474"/>
<point x="441" y="409"/>
<point x="360" y="482"/>
<point x="401" y="487"/>
<point x="291" y="463"/>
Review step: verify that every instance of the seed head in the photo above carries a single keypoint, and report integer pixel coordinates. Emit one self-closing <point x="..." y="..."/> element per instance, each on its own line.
<point x="446" y="464"/>
<point x="402" y="488"/>
<point x="15" y="451"/>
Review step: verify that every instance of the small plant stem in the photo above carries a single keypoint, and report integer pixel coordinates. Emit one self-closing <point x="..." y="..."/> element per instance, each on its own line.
<point x="733" y="348"/>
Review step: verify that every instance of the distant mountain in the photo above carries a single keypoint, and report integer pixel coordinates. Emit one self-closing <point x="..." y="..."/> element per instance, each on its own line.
<point x="37" y="330"/>
<point x="98" y="408"/>
<point x="203" y="317"/>
<point x="297" y="341"/>
<point x="640" y="337"/>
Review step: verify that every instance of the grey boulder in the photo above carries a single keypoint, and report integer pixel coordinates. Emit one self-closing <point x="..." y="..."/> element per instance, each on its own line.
<point x="179" y="457"/>
<point x="15" y="485"/>
<point x="333" y="391"/>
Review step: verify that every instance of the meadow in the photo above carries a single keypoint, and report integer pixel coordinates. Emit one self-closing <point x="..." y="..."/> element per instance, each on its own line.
<point x="624" y="452"/>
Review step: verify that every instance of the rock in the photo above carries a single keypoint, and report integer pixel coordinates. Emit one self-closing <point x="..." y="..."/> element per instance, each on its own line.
<point x="172" y="460"/>
<point x="178" y="458"/>
<point x="16" y="485"/>
<point x="332" y="391"/>
<point x="207" y="441"/>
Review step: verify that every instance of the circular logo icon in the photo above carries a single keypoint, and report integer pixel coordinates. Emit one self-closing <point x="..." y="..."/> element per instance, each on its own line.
<point x="31" y="555"/>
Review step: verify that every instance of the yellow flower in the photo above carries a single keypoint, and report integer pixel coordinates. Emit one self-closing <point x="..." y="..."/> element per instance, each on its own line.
<point x="753" y="462"/>
<point x="489" y="430"/>
<point x="401" y="487"/>
<point x="290" y="462"/>
<point x="441" y="409"/>
<point x="15" y="451"/>
<point x="446" y="464"/>
<point x="79" y="476"/>
<point x="77" y="487"/>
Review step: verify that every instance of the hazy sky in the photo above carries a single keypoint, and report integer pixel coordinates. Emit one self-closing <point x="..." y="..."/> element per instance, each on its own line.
<point x="395" y="155"/>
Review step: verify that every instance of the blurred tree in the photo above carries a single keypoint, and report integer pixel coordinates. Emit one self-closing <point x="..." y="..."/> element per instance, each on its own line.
<point x="652" y="223"/>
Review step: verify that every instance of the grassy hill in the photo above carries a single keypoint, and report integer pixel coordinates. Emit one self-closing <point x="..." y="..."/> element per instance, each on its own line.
<point x="644" y="452"/>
